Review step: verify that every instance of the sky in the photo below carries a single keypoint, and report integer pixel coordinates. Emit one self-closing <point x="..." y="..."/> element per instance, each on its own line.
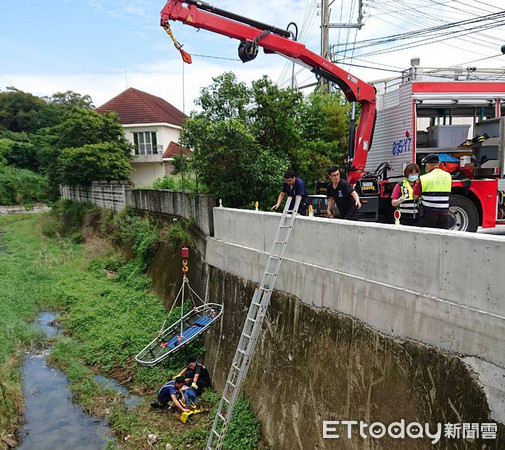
<point x="102" y="47"/>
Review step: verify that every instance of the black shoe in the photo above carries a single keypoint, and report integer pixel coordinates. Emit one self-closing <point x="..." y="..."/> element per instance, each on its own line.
<point x="155" y="405"/>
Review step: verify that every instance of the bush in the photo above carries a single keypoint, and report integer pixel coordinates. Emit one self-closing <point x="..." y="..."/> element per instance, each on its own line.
<point x="66" y="219"/>
<point x="22" y="187"/>
<point x="175" y="184"/>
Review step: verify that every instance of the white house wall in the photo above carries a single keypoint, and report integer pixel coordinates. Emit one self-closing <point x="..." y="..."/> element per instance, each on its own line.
<point x="146" y="168"/>
<point x="143" y="174"/>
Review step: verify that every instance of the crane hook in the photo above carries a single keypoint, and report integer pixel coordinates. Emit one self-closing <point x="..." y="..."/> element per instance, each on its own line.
<point x="186" y="57"/>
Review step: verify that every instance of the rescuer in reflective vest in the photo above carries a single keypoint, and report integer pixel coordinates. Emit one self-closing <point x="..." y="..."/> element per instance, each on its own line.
<point x="435" y="190"/>
<point x="403" y="196"/>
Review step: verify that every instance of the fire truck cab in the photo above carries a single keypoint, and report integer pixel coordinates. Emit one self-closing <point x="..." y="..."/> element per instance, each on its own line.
<point x="457" y="113"/>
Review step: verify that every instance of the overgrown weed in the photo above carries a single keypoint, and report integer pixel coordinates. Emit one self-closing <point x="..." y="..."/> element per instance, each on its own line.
<point x="106" y="321"/>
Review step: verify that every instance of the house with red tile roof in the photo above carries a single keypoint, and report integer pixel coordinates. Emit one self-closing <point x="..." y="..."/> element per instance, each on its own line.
<point x="153" y="126"/>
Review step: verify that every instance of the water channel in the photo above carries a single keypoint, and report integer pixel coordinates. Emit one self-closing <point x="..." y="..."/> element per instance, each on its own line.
<point x="52" y="420"/>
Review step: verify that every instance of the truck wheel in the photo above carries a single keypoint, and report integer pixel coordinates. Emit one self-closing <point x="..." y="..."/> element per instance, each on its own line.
<point x="463" y="214"/>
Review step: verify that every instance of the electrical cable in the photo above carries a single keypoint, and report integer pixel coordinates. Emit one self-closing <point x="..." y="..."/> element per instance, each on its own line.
<point x="409" y="35"/>
<point x="215" y="57"/>
<point x="480" y="43"/>
<point x="420" y="17"/>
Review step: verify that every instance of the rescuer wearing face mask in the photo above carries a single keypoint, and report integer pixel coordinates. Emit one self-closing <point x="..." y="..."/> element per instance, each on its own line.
<point x="403" y="196"/>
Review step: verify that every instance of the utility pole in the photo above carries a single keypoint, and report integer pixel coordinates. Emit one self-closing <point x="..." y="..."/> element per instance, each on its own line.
<point x="325" y="39"/>
<point x="325" y="34"/>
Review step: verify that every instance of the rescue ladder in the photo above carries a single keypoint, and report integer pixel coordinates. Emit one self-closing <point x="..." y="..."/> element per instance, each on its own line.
<point x="252" y="328"/>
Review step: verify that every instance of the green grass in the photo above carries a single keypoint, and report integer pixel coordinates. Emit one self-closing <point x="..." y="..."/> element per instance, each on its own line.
<point x="106" y="322"/>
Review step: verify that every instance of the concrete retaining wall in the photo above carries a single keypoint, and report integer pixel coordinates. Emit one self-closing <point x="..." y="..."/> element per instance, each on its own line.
<point x="195" y="207"/>
<point x="313" y="365"/>
<point x="16" y="209"/>
<point x="441" y="288"/>
<point x="106" y="195"/>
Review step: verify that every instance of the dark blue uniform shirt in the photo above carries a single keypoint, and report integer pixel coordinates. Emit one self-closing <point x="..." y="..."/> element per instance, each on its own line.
<point x="298" y="189"/>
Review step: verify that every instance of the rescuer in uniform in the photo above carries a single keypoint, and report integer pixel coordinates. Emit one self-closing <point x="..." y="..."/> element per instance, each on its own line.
<point x="170" y="391"/>
<point x="343" y="194"/>
<point x="403" y="196"/>
<point x="196" y="375"/>
<point x="435" y="190"/>
<point x="293" y="186"/>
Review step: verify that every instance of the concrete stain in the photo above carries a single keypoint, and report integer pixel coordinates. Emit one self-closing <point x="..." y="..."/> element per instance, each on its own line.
<point x="312" y="365"/>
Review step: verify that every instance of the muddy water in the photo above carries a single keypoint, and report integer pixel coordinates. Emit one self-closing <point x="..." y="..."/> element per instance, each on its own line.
<point x="130" y="401"/>
<point x="52" y="420"/>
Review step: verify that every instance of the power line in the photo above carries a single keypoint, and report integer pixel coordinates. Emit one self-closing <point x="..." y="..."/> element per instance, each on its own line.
<point x="215" y="57"/>
<point x="423" y="41"/>
<point x="427" y="31"/>
<point x="421" y="17"/>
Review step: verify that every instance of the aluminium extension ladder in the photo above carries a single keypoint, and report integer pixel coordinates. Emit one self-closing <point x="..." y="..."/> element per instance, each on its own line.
<point x="252" y="328"/>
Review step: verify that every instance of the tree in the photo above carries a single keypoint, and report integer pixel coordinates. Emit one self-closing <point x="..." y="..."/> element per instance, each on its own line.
<point x="244" y="139"/>
<point x="323" y="122"/>
<point x="180" y="164"/>
<point x="70" y="99"/>
<point x="18" y="110"/>
<point x="93" y="162"/>
<point x="84" y="129"/>
<point x="20" y="154"/>
<point x="325" y="118"/>
<point x="4" y="146"/>
<point x="231" y="163"/>
<point x="224" y="98"/>
<point x="82" y="126"/>
<point x="274" y="117"/>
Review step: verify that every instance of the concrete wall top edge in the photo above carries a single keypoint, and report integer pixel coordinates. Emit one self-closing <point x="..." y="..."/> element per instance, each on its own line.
<point x="373" y="225"/>
<point x="444" y="264"/>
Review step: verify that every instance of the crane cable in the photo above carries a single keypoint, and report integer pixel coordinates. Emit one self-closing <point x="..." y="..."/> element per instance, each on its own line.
<point x="186" y="57"/>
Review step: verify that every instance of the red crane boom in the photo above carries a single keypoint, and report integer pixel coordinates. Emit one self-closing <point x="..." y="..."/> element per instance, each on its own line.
<point x="252" y="34"/>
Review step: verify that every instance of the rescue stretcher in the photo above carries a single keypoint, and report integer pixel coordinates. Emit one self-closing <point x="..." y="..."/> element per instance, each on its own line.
<point x="179" y="334"/>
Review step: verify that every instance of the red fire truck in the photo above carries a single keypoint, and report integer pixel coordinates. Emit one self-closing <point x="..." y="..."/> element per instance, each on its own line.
<point x="456" y="113"/>
<point x="453" y="112"/>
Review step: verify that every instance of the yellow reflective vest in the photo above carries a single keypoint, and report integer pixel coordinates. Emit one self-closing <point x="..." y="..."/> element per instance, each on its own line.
<point x="436" y="190"/>
<point x="409" y="208"/>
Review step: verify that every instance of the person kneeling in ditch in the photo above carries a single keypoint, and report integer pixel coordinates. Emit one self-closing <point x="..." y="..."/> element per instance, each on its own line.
<point x="196" y="375"/>
<point x="170" y="392"/>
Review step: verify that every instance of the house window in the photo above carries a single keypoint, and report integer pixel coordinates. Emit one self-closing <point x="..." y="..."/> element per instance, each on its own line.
<point x="145" y="143"/>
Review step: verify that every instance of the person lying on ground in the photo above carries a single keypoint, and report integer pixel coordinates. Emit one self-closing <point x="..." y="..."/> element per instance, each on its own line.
<point x="189" y="396"/>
